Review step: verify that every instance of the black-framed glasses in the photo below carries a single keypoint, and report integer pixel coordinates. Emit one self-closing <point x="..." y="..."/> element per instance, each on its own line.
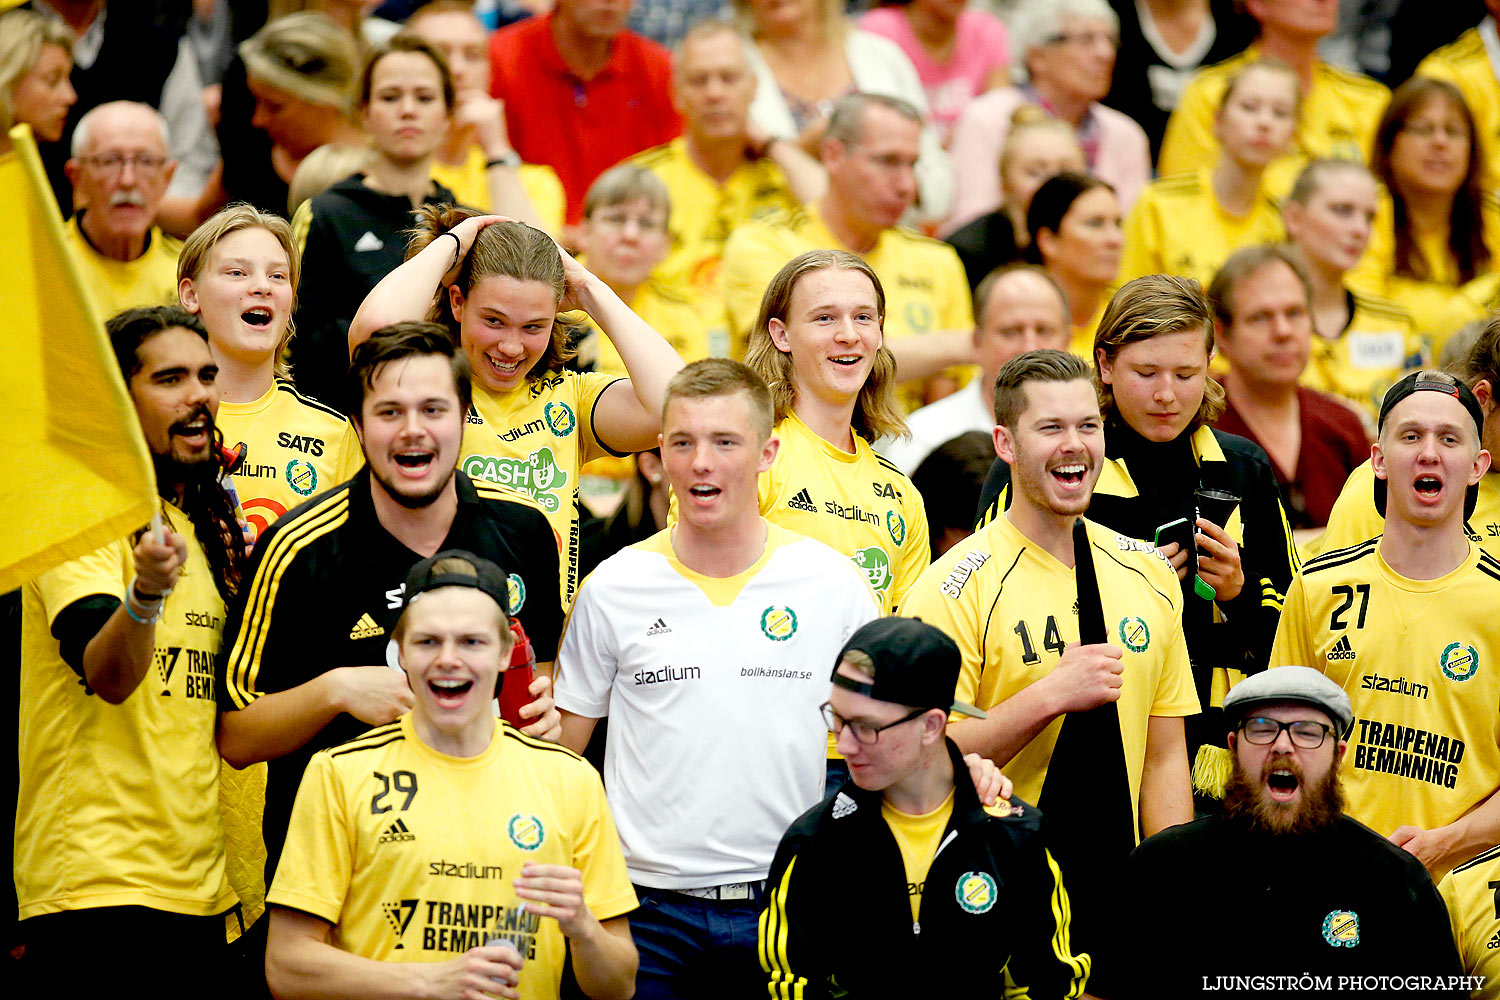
<point x="864" y="732"/>
<point x="1305" y="733"/>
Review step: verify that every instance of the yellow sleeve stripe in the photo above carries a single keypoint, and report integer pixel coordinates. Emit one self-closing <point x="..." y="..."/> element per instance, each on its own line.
<point x="1294" y="560"/>
<point x="243" y="667"/>
<point x="785" y="984"/>
<point x="1062" y="946"/>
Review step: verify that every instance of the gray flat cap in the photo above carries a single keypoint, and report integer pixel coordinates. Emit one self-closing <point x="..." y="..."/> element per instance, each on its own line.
<point x="1301" y="685"/>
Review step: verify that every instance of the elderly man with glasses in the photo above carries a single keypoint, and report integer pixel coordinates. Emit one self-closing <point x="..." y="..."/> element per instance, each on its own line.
<point x="1299" y="890"/>
<point x="120" y="171"/>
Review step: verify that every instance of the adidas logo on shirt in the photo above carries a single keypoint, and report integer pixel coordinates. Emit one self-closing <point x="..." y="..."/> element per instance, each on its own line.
<point x="659" y="627"/>
<point x="803" y="501"/>
<point x="397" y="833"/>
<point x="1341" y="650"/>
<point x="843" y="806"/>
<point x="1494" y="941"/>
<point x="368" y="242"/>
<point x="365" y="628"/>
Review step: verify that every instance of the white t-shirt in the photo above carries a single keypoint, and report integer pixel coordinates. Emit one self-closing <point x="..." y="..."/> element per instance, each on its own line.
<point x="712" y="688"/>
<point x="938" y="423"/>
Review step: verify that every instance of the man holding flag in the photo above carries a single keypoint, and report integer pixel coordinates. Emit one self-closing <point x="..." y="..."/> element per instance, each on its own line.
<point x="119" y="846"/>
<point x="1091" y="730"/>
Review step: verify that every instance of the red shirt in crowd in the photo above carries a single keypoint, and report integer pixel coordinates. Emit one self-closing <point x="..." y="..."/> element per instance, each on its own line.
<point x="1333" y="445"/>
<point x="579" y="127"/>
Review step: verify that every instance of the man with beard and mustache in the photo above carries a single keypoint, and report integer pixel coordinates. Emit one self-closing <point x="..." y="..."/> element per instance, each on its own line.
<point x="1010" y="597"/>
<point x="1302" y="889"/>
<point x="118" y="840"/>
<point x="304" y="664"/>
<point x="120" y="171"/>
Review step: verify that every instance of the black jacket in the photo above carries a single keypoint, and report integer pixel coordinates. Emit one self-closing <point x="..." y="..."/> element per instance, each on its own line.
<point x="1146" y="485"/>
<point x="1341" y="902"/>
<point x="838" y="917"/>
<point x="355" y="237"/>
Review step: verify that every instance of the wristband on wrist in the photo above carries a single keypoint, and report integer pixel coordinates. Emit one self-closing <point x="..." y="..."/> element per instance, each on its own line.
<point x="458" y="250"/>
<point x="510" y="159"/>
<point x="143" y="610"/>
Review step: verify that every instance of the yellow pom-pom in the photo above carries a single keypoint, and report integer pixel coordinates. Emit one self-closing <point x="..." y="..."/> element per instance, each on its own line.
<point x="1211" y="771"/>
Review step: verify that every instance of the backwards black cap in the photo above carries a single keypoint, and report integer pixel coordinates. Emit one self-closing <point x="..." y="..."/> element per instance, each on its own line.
<point x="1431" y="381"/>
<point x="483" y="575"/>
<point x="915" y="664"/>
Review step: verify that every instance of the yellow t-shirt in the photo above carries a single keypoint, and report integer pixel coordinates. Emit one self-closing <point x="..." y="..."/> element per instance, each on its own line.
<point x="1473" y="913"/>
<point x="1011" y="607"/>
<point x="1338" y="118"/>
<point x="295" y="448"/>
<point x="1354" y="518"/>
<point x="918" y="837"/>
<point x="1465" y="64"/>
<point x="926" y="290"/>
<point x="118" y="804"/>
<point x="410" y="853"/>
<point x="117" y="285"/>
<point x="535" y="440"/>
<point x="1476" y="301"/>
<point x="471" y="186"/>
<point x="705" y="213"/>
<point x="696" y="328"/>
<point x="1417" y="659"/>
<point x="860" y="505"/>
<point x="1378" y="345"/>
<point x="1081" y="342"/>
<point x="1177" y="226"/>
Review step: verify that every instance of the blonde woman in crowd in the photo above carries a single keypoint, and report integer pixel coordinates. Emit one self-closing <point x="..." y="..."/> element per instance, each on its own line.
<point x="36" y="57"/>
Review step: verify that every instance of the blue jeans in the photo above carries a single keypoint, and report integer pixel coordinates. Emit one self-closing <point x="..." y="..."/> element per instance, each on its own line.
<point x="696" y="949"/>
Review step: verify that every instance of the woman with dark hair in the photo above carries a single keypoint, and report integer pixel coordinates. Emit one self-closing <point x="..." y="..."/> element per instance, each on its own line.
<point x="1076" y="234"/>
<point x="1151" y="358"/>
<point x="354" y="233"/>
<point x="1444" y="229"/>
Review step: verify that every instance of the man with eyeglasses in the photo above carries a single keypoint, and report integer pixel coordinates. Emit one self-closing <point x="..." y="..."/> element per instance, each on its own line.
<point x="979" y="879"/>
<point x="1404" y="623"/>
<point x="870" y="151"/>
<point x="120" y="172"/>
<point x="1301" y="889"/>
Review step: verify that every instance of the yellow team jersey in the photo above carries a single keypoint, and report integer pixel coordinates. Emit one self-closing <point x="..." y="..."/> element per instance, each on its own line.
<point x="1378" y="345"/>
<point x="1177" y="226"/>
<point x="470" y="185"/>
<point x="860" y="505"/>
<point x="918" y="838"/>
<point x="1470" y="892"/>
<point x="1418" y="659"/>
<point x="117" y="285"/>
<point x="696" y="328"/>
<point x="118" y="805"/>
<point x="535" y="440"/>
<point x="1011" y="607"/>
<point x="1354" y="518"/>
<point x="926" y="290"/>
<point x="1474" y="302"/>
<point x="1338" y="117"/>
<point x="295" y="448"/>
<point x="1466" y="65"/>
<point x="705" y="212"/>
<point x="1081" y="342"/>
<point x="410" y="853"/>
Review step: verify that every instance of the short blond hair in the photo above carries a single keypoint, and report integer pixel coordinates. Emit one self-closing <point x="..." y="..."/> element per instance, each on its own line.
<point x="307" y="55"/>
<point x="323" y="168"/>
<point x="232" y="219"/>
<point x="710" y="377"/>
<point x="23" y="33"/>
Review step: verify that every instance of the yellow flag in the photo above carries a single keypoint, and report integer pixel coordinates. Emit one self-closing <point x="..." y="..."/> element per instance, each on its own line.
<point x="77" y="472"/>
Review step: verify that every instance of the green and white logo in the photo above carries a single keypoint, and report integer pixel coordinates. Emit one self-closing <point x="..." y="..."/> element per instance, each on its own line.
<point x="976" y="892"/>
<point x="537" y="475"/>
<point x="515" y="592"/>
<point x="778" y="624"/>
<point x="301" y="477"/>
<point x="560" y="418"/>
<point x="1341" y="928"/>
<point x="1134" y="634"/>
<point x="876" y="566"/>
<point x="526" y="831"/>
<point x="896" y="525"/>
<point x="1459" y="661"/>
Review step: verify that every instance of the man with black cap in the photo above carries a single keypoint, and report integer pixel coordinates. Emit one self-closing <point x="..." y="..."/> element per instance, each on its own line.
<point x="979" y="879"/>
<point x="1404" y="623"/>
<point x="414" y="847"/>
<point x="1305" y="891"/>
